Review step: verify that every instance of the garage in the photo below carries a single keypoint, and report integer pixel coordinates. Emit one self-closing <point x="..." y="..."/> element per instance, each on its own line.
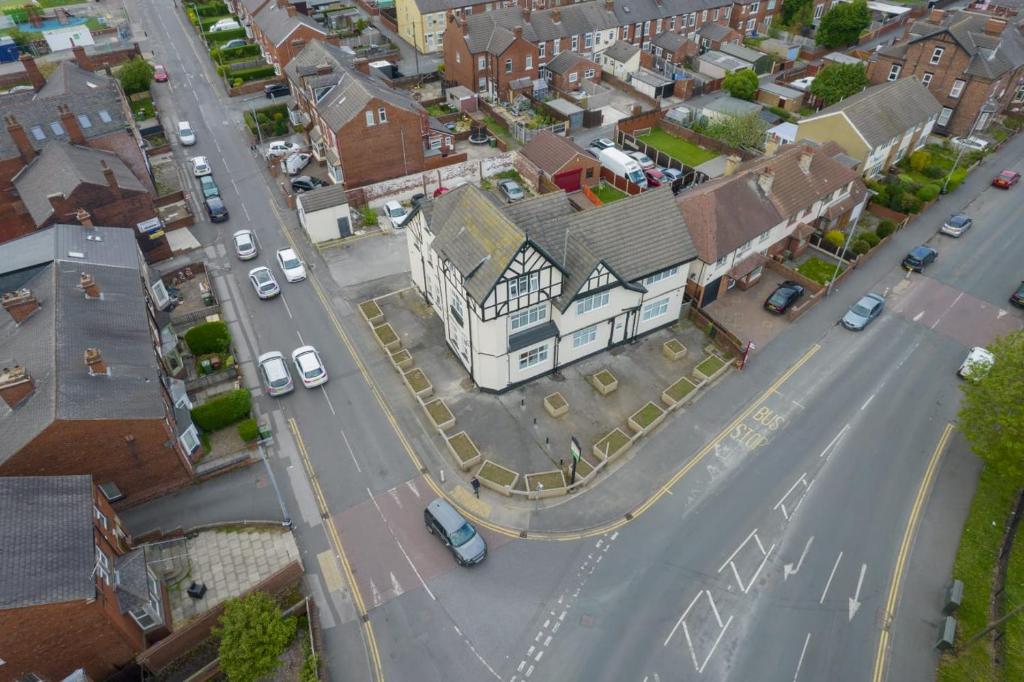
<point x="569" y="180"/>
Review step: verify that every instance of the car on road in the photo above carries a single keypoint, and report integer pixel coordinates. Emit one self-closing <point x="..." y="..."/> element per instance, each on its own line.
<point x="209" y="187"/>
<point x="976" y="364"/>
<point x="276" y="90"/>
<point x="641" y="158"/>
<point x="159" y="73"/>
<point x="280" y="148"/>
<point x="296" y="162"/>
<point x="863" y="312"/>
<point x="457" y="534"/>
<point x="200" y="166"/>
<point x="655" y="178"/>
<point x="216" y="209"/>
<point x="291" y="266"/>
<point x="969" y="144"/>
<point x="305" y="183"/>
<point x="956" y="224"/>
<point x="186" y="135"/>
<point x="396" y="213"/>
<point x="262" y="280"/>
<point x="309" y="366"/>
<point x="511" y="189"/>
<point x="245" y="244"/>
<point x="234" y="42"/>
<point x="1006" y="179"/>
<point x="1017" y="297"/>
<point x="919" y="258"/>
<point x="785" y="295"/>
<point x="277" y="380"/>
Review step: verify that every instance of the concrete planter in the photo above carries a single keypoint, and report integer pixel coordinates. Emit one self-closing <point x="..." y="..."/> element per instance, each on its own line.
<point x="387" y="338"/>
<point x="497" y="478"/>
<point x="556" y="405"/>
<point x="418" y="383"/>
<point x="646" y="418"/>
<point x="439" y="414"/>
<point x="612" y="445"/>
<point x="553" y="483"/>
<point x="604" y="382"/>
<point x="464" y="450"/>
<point x="673" y="349"/>
<point x="371" y="312"/>
<point x="402" y="360"/>
<point x="709" y="368"/>
<point x="679" y="393"/>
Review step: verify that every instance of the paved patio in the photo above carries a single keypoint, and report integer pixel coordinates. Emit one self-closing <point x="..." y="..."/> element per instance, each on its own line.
<point x="743" y="313"/>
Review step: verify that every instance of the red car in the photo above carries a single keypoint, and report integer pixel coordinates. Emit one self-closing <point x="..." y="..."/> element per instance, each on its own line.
<point x="655" y="178"/>
<point x="1006" y="179"/>
<point x="159" y="73"/>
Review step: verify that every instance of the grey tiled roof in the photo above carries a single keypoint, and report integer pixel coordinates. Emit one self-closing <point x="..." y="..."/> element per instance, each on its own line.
<point x="132" y="580"/>
<point x="714" y="32"/>
<point x="303" y="66"/>
<point x="575" y="20"/>
<point x="882" y="112"/>
<point x="669" y="40"/>
<point x="742" y="52"/>
<point x="550" y="152"/>
<point x="323" y="197"/>
<point x="62" y="168"/>
<point x="46" y="529"/>
<point x="621" y="51"/>
<point x="566" y="61"/>
<point x="431" y="6"/>
<point x="491" y="32"/>
<point x="277" y="25"/>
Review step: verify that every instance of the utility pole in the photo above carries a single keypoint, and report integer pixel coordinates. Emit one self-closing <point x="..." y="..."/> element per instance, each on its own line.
<point x="846" y="245"/>
<point x="988" y="107"/>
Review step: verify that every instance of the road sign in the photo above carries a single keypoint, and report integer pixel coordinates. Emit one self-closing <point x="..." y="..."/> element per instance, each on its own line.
<point x="574" y="448"/>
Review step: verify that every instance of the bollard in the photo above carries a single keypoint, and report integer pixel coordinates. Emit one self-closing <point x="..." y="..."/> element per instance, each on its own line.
<point x="954" y="595"/>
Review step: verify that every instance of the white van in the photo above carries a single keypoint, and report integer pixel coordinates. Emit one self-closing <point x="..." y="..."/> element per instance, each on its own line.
<point x="186" y="134"/>
<point x="623" y="165"/>
<point x="224" y="25"/>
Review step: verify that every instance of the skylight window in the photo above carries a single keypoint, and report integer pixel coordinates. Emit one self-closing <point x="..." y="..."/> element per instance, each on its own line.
<point x="105" y="116"/>
<point x="56" y="127"/>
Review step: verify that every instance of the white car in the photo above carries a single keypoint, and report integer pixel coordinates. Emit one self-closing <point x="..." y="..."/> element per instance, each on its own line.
<point x="224" y="25"/>
<point x="262" y="280"/>
<point x="969" y="144"/>
<point x="245" y="244"/>
<point x="200" y="166"/>
<point x="396" y="213"/>
<point x="280" y="148"/>
<point x="296" y="162"/>
<point x="277" y="380"/>
<point x="291" y="266"/>
<point x="644" y="160"/>
<point x="976" y="364"/>
<point x="309" y="366"/>
<point x="186" y="134"/>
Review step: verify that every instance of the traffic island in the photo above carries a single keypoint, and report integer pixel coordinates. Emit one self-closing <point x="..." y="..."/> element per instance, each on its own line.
<point x="646" y="418"/>
<point x="418" y="383"/>
<point x="497" y="478"/>
<point x="679" y="392"/>
<point x="612" y="445"/>
<point x="605" y="382"/>
<point x="464" y="450"/>
<point x="440" y="414"/>
<point x="673" y="350"/>
<point x="545" y="484"/>
<point x="555" y="405"/>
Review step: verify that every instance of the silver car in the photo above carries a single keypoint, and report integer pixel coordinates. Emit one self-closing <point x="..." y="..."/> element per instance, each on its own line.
<point x="863" y="312"/>
<point x="457" y="534"/>
<point x="263" y="282"/>
<point x="511" y="189"/>
<point x="277" y="380"/>
<point x="245" y="244"/>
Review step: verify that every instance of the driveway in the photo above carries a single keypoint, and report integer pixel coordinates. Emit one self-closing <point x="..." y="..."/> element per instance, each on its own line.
<point x="743" y="313"/>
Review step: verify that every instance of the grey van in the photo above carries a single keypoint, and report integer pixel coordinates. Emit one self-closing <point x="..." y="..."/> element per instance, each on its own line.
<point x="455" y="532"/>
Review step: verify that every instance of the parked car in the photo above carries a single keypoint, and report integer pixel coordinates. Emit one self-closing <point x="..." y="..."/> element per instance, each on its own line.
<point x="309" y="366"/>
<point x="216" y="209"/>
<point x="396" y="213"/>
<point x="969" y="144"/>
<point x="224" y="25"/>
<point x="296" y="162"/>
<point x="672" y="174"/>
<point x="277" y="380"/>
<point x="1006" y="179"/>
<point x="457" y="534"/>
<point x="245" y="244"/>
<point x="1017" y="297"/>
<point x="644" y="160"/>
<point x="602" y="143"/>
<point x="863" y="312"/>
<point x="186" y="135"/>
<point x="976" y="364"/>
<point x="655" y="178"/>
<point x="291" y="266"/>
<point x="209" y="187"/>
<point x="305" y="183"/>
<point x="234" y="42"/>
<point x="956" y="225"/>
<point x="511" y="189"/>
<point x="159" y="73"/>
<point x="280" y="148"/>
<point x="276" y="90"/>
<point x="919" y="258"/>
<point x="785" y="295"/>
<point x="200" y="166"/>
<point x="418" y="198"/>
<point x="262" y="280"/>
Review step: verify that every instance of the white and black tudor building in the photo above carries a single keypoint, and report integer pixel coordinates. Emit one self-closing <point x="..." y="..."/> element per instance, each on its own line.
<point x="528" y="287"/>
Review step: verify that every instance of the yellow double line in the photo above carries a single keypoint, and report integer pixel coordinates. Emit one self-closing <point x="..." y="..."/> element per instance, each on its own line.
<point x="901" y="557"/>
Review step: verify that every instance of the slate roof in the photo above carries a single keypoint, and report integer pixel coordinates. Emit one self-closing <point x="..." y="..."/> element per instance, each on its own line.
<point x="86" y="94"/>
<point x="669" y="40"/>
<point x="621" y="51"/>
<point x="323" y="197"/>
<point x="431" y="6"/>
<point x="715" y="32"/>
<point x="276" y="25"/>
<point x="564" y="62"/>
<point x="302" y="67"/>
<point x="62" y="168"/>
<point x="551" y="152"/>
<point x="882" y="112"/>
<point x="575" y="19"/>
<point x="46" y="529"/>
<point x="50" y="344"/>
<point x="132" y="580"/>
<point x="726" y="213"/>
<point x="492" y="31"/>
<point x="742" y="52"/>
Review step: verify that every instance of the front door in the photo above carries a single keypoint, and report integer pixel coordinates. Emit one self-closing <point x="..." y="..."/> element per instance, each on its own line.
<point x="711" y="293"/>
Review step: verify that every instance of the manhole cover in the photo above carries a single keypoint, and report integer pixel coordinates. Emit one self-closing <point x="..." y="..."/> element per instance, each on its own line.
<point x="587" y="621"/>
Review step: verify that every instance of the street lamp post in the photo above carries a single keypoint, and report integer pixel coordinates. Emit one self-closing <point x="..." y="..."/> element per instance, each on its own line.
<point x="846" y="245"/>
<point x="987" y="109"/>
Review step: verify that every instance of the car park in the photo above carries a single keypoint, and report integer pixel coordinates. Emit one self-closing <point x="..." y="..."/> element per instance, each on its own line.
<point x="276" y="90"/>
<point x="919" y="258"/>
<point x="186" y="135"/>
<point x="976" y="364"/>
<point x="274" y="374"/>
<point x="863" y="312"/>
<point x="785" y="295"/>
<point x="396" y="213"/>
<point x="305" y="183"/>
<point x="1006" y="179"/>
<point x="159" y="73"/>
<point x="310" y="367"/>
<point x="457" y="534"/>
<point x="209" y="187"/>
<point x="644" y="160"/>
<point x="655" y="178"/>
<point x="956" y="225"/>
<point x="511" y="189"/>
<point x="1017" y="297"/>
<point x="262" y="280"/>
<point x="280" y="148"/>
<point x="200" y="166"/>
<point x="216" y="209"/>
<point x="295" y="162"/>
<point x="969" y="144"/>
<point x="245" y="244"/>
<point x="291" y="266"/>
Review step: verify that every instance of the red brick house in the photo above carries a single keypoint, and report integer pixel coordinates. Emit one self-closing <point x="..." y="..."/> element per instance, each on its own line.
<point x="82" y="393"/>
<point x="673" y="48"/>
<point x="713" y="36"/>
<point x="549" y="162"/>
<point x="282" y="32"/>
<point x="567" y="71"/>
<point x="965" y="59"/>
<point x="484" y="53"/>
<point x="73" y="593"/>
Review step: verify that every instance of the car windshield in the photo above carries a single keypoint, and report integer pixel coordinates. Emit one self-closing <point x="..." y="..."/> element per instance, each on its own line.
<point x="861" y="310"/>
<point x="243" y="242"/>
<point x="780" y="296"/>
<point x="958" y="220"/>
<point x="186" y="131"/>
<point x="396" y="211"/>
<point x="290" y="262"/>
<point x="463" y="535"/>
<point x="263" y="277"/>
<point x="310" y="367"/>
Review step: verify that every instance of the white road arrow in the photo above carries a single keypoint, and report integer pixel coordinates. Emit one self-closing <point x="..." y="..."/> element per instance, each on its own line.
<point x="395" y="586"/>
<point x="788" y="569"/>
<point x="854" y="603"/>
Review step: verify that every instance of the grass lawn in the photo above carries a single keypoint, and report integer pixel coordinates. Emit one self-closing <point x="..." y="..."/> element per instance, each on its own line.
<point x="647" y="415"/>
<point x="681" y="389"/>
<point x="549" y="479"/>
<point x="710" y="365"/>
<point x="496" y="474"/>
<point x="1013" y="641"/>
<point x="687" y="152"/>
<point x="499" y="129"/>
<point x="818" y="270"/>
<point x="975" y="565"/>
<point x="439" y="412"/>
<point x="608" y="194"/>
<point x="463" y="446"/>
<point x="614" y="442"/>
<point x="142" y="108"/>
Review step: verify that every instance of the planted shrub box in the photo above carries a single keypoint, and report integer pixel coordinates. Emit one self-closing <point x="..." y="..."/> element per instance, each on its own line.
<point x="555" y="405"/>
<point x="612" y="445"/>
<point x="418" y="383"/>
<point x="646" y="418"/>
<point x="604" y="381"/>
<point x="678" y="392"/>
<point x="583" y="470"/>
<point x="387" y="337"/>
<point x="552" y="484"/>
<point x="440" y="414"/>
<point x="371" y="312"/>
<point x="708" y="368"/>
<point x="402" y="360"/>
<point x="464" y="450"/>
<point x="673" y="349"/>
<point x="497" y="478"/>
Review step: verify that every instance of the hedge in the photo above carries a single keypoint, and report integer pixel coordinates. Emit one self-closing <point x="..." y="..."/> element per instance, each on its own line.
<point x="223" y="410"/>
<point x="231" y="53"/>
<point x="885" y="228"/>
<point x="213" y="9"/>
<point x="253" y="74"/>
<point x="224" y="36"/>
<point x="249" y="430"/>
<point x="209" y="337"/>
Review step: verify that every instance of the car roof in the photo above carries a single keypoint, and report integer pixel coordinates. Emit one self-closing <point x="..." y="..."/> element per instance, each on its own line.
<point x="446" y="514"/>
<point x="270" y="355"/>
<point x="182" y="125"/>
<point x="285" y="251"/>
<point x="921" y="250"/>
<point x="244" y="233"/>
<point x="259" y="270"/>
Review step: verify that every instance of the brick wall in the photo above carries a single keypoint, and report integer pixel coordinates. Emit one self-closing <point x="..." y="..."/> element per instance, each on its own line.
<point x="397" y="145"/>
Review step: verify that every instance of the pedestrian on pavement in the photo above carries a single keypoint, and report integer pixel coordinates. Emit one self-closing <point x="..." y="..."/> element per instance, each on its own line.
<point x="476" y="486"/>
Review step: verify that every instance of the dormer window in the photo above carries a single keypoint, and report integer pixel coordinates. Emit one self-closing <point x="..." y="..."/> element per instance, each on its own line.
<point x="523" y="285"/>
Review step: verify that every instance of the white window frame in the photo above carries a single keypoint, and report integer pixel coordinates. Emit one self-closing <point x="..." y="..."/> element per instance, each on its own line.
<point x="714" y="17"/>
<point x="524" y="284"/>
<point x="527" y="317"/>
<point x="382" y="115"/>
<point x="103" y="565"/>
<point x="944" y="116"/>
<point x="589" y="73"/>
<point x="101" y="517"/>
<point x="584" y="337"/>
<point x="926" y="79"/>
<point x="541" y="48"/>
<point x="663" y="274"/>
<point x="508" y="65"/>
<point x="754" y="6"/>
<point x="588" y="40"/>
<point x="894" y="72"/>
<point x="533" y="357"/>
<point x="369" y="119"/>
<point x="529" y="62"/>
<point x="751" y="24"/>
<point x="693" y="19"/>
<point x="593" y="302"/>
<point x="575" y="42"/>
<point x="574" y="76"/>
<point x="481" y="63"/>
<point x="1018" y="96"/>
<point x="818" y="10"/>
<point x="672" y="24"/>
<point x="654" y="309"/>
<point x="936" y="56"/>
<point x="957" y="89"/>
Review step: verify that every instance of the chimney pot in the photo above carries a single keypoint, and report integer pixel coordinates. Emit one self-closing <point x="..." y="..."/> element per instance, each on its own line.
<point x="87" y="283"/>
<point x="518" y="32"/>
<point x="94" y="361"/>
<point x="83" y="218"/>
<point x="556" y="15"/>
<point x="731" y="162"/>
<point x="108" y="173"/>
<point x="71" y="125"/>
<point x="526" y="14"/>
<point x="15" y="385"/>
<point x="765" y="179"/>
<point x="936" y="16"/>
<point x="290" y="9"/>
<point x="20" y="137"/>
<point x="35" y="76"/>
<point x="20" y="304"/>
<point x="806" y="154"/>
<point x="81" y="58"/>
<point x="995" y="27"/>
<point x="609" y="5"/>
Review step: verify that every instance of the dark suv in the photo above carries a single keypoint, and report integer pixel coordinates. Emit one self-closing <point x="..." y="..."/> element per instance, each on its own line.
<point x="276" y="90"/>
<point x="919" y="258"/>
<point x="458" y="534"/>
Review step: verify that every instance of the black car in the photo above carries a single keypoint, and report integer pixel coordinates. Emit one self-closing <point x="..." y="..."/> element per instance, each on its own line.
<point x="305" y="183"/>
<point x="276" y="90"/>
<point x="418" y="198"/>
<point x="1017" y="298"/>
<point x="216" y="209"/>
<point x="919" y="257"/>
<point x="785" y="295"/>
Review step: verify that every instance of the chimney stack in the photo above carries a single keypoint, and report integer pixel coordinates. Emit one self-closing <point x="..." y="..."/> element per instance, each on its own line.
<point x="526" y="14"/>
<point x="71" y="125"/>
<point x="20" y="304"/>
<point x="937" y="16"/>
<point x="556" y="15"/>
<point x="609" y="5"/>
<point x="994" y="27"/>
<point x="731" y="162"/>
<point x="518" y="32"/>
<point x="20" y="137"/>
<point x="84" y="219"/>
<point x="806" y="154"/>
<point x="765" y="179"/>
<point x="15" y="385"/>
<point x="87" y="283"/>
<point x="108" y="173"/>
<point x="94" y="361"/>
<point x="35" y="76"/>
<point x="282" y="3"/>
<point x="81" y="58"/>
<point x="290" y="9"/>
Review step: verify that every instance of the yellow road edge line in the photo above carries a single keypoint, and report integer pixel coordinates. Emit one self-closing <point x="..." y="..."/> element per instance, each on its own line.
<point x="901" y="557"/>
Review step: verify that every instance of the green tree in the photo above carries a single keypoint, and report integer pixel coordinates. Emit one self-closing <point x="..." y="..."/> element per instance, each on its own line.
<point x="252" y="635"/>
<point x="992" y="411"/>
<point x="742" y="84"/>
<point x="136" y="75"/>
<point x="842" y="25"/>
<point x="792" y="9"/>
<point x="739" y="131"/>
<point x="838" y="81"/>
